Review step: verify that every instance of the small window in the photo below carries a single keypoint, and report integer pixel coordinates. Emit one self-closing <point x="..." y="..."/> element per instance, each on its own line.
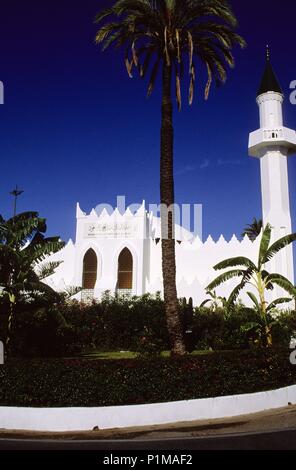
<point x="125" y="270"/>
<point x="90" y="267"/>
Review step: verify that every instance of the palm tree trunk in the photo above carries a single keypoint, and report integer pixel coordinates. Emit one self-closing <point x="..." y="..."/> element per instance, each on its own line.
<point x="266" y="331"/>
<point x="167" y="218"/>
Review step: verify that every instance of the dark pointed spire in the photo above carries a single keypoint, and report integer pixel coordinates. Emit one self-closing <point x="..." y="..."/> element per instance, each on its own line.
<point x="269" y="80"/>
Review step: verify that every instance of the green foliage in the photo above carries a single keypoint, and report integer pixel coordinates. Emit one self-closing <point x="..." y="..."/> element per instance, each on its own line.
<point x="253" y="230"/>
<point x="23" y="246"/>
<point x="136" y="324"/>
<point x="171" y="33"/>
<point x="239" y="328"/>
<point x="38" y="329"/>
<point x="258" y="278"/>
<point x="81" y="382"/>
<point x="148" y="344"/>
<point x="115" y="323"/>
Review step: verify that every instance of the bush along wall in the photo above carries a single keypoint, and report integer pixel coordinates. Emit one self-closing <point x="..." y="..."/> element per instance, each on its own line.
<point x="81" y="382"/>
<point x="114" y="324"/>
<point x="132" y="324"/>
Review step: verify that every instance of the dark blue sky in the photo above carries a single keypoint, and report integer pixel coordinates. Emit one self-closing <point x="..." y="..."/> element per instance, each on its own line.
<point x="74" y="127"/>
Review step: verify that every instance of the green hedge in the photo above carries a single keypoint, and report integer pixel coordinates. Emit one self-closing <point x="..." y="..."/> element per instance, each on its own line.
<point x="220" y="331"/>
<point x="76" y="382"/>
<point x="74" y="327"/>
<point x="136" y="324"/>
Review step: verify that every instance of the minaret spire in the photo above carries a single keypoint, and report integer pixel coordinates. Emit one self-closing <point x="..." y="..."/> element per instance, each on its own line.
<point x="272" y="144"/>
<point x="269" y="80"/>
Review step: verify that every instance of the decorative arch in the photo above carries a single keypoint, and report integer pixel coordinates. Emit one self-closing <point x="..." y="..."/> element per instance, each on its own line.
<point x="125" y="270"/>
<point x="90" y="270"/>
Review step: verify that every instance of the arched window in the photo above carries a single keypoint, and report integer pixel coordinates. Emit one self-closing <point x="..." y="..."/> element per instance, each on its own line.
<point x="90" y="267"/>
<point x="125" y="270"/>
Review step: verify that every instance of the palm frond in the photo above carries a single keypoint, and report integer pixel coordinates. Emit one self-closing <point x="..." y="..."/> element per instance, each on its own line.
<point x="191" y="86"/>
<point x="278" y="245"/>
<point x="253" y="230"/>
<point x="172" y="29"/>
<point x="191" y="50"/>
<point x="237" y="261"/>
<point x="178" y="92"/>
<point x="276" y="302"/>
<point x="254" y="300"/>
<point x="153" y="77"/>
<point x="204" y="303"/>
<point x="103" y="15"/>
<point x="39" y="251"/>
<point x="235" y="293"/>
<point x="208" y="85"/>
<point x="224" y="277"/>
<point x="47" y="269"/>
<point x="282" y="282"/>
<point x="129" y="66"/>
<point x="264" y="244"/>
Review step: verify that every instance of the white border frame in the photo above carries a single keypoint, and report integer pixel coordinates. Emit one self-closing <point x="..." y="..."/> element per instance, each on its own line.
<point x="85" y="419"/>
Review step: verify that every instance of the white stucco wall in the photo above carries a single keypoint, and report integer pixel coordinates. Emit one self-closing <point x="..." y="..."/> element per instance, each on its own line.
<point x="85" y="419"/>
<point x="194" y="259"/>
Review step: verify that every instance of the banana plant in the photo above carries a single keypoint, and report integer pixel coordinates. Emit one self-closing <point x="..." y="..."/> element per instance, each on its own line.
<point x="23" y="246"/>
<point x="262" y="324"/>
<point x="215" y="301"/>
<point x="257" y="276"/>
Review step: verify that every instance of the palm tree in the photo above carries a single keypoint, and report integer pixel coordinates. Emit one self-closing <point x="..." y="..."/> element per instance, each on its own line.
<point x="165" y="36"/>
<point x="257" y="276"/>
<point x="253" y="230"/>
<point x="22" y="248"/>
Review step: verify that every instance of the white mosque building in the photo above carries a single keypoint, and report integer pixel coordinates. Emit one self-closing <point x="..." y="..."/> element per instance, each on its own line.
<point x="121" y="252"/>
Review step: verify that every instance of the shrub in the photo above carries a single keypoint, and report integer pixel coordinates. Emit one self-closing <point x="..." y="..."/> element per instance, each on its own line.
<point x="134" y="324"/>
<point x="220" y="330"/>
<point x="43" y="333"/>
<point x="284" y="328"/>
<point x="81" y="382"/>
<point x="115" y="323"/>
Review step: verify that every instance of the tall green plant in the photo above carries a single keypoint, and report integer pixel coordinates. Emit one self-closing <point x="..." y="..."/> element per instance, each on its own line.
<point x="257" y="276"/>
<point x="23" y="247"/>
<point x="166" y="37"/>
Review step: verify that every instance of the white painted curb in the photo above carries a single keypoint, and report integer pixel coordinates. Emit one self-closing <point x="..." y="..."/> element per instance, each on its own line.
<point x="84" y="419"/>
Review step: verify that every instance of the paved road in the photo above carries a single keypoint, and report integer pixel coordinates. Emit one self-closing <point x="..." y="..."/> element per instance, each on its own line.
<point x="275" y="440"/>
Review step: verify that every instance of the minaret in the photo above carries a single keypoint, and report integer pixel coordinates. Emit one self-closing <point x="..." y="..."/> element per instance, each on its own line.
<point x="272" y="144"/>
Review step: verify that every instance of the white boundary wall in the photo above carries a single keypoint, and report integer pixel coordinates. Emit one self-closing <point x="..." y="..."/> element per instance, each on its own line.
<point x="84" y="419"/>
<point x="194" y="259"/>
